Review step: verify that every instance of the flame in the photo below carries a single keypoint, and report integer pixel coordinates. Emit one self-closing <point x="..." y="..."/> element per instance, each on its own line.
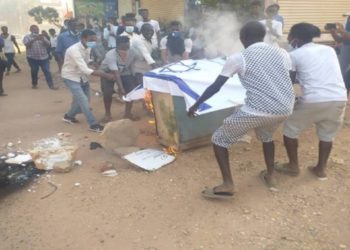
<point x="148" y="101"/>
<point x="171" y="150"/>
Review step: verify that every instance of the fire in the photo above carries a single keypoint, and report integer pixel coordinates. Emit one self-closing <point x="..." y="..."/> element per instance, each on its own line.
<point x="172" y="150"/>
<point x="148" y="101"/>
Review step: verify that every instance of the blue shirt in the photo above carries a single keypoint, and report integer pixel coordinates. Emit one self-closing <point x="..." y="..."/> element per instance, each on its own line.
<point x="347" y="28"/>
<point x="64" y="41"/>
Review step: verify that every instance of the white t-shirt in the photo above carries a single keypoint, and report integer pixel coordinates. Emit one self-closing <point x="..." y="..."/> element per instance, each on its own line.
<point x="319" y="74"/>
<point x="110" y="35"/>
<point x="269" y="37"/>
<point x="156" y="29"/>
<point x="8" y="44"/>
<point x="53" y="41"/>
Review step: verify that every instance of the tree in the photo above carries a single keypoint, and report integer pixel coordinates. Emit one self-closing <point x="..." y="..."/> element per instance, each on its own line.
<point x="223" y="4"/>
<point x="48" y="14"/>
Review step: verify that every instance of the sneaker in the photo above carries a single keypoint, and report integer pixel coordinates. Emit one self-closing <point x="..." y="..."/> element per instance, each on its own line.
<point x="34" y="87"/>
<point x="3" y="94"/>
<point x="69" y="120"/>
<point x="53" y="88"/>
<point x="96" y="128"/>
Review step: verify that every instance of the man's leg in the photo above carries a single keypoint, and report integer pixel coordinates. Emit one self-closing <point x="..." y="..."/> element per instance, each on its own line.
<point x="15" y="64"/>
<point x="269" y="157"/>
<point x="324" y="150"/>
<point x="222" y="158"/>
<point x="129" y="83"/>
<point x="45" y="67"/>
<point x="107" y="88"/>
<point x="326" y="131"/>
<point x="2" y="70"/>
<point x="233" y="128"/>
<point x="34" y="68"/>
<point x="291" y="146"/>
<point x="9" y="57"/>
<point x="84" y="104"/>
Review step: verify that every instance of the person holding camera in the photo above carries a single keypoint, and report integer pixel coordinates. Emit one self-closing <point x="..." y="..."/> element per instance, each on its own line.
<point x="341" y="34"/>
<point x="37" y="56"/>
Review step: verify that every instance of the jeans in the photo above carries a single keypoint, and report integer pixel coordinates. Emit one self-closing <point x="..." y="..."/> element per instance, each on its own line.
<point x="45" y="67"/>
<point x="11" y="61"/>
<point x="80" y="103"/>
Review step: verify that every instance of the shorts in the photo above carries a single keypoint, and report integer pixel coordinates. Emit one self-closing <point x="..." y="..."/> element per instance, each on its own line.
<point x="327" y="116"/>
<point x="107" y="86"/>
<point x="239" y="123"/>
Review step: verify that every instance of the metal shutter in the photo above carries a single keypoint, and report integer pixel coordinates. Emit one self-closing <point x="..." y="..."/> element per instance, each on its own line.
<point x="165" y="9"/>
<point x="318" y="12"/>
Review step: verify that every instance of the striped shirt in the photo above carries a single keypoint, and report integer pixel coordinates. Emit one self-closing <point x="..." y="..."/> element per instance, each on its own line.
<point x="38" y="49"/>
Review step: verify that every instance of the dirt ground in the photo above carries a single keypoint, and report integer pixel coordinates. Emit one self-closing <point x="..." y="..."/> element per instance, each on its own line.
<point x="163" y="210"/>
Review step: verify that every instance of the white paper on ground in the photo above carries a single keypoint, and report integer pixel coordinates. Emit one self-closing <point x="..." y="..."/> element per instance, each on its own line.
<point x="19" y="159"/>
<point x="149" y="159"/>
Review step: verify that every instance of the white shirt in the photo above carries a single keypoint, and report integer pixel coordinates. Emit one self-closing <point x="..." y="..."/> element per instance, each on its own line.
<point x="108" y="36"/>
<point x="187" y="41"/>
<point x="319" y="73"/>
<point x="144" y="50"/>
<point x="8" y="44"/>
<point x="156" y="28"/>
<point x="75" y="66"/>
<point x="53" y="41"/>
<point x="269" y="37"/>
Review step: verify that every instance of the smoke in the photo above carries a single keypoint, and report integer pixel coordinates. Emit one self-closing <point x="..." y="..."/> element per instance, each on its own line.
<point x="219" y="33"/>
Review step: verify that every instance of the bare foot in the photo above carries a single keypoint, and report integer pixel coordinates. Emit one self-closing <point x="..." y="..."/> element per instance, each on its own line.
<point x="320" y="174"/>
<point x="224" y="189"/>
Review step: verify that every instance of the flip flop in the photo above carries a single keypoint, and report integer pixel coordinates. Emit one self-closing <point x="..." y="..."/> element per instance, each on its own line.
<point x="311" y="169"/>
<point x="211" y="194"/>
<point x="284" y="169"/>
<point x="269" y="185"/>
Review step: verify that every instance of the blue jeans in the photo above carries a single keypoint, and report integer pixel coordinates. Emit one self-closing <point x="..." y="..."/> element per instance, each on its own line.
<point x="11" y="61"/>
<point x="80" y="103"/>
<point x="45" y="67"/>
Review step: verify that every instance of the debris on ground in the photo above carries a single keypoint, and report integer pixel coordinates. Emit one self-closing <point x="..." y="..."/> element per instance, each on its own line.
<point x="149" y="159"/>
<point x="54" y="154"/>
<point x="17" y="170"/>
<point x="110" y="173"/>
<point x="121" y="133"/>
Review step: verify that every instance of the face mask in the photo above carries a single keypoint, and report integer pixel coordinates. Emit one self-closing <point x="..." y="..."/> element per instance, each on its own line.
<point x="91" y="44"/>
<point x="34" y="33"/>
<point x="129" y="29"/>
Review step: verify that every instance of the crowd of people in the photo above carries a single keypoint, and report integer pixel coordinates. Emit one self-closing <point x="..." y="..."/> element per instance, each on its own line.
<point x="121" y="53"/>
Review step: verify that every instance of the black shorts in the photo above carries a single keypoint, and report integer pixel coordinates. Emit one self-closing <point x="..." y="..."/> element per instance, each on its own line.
<point x="107" y="86"/>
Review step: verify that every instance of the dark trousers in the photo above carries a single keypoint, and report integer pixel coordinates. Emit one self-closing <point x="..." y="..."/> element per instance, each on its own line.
<point x="3" y="65"/>
<point x="11" y="61"/>
<point x="45" y="67"/>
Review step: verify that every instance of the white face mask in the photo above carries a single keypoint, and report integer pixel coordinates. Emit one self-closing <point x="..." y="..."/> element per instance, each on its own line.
<point x="129" y="29"/>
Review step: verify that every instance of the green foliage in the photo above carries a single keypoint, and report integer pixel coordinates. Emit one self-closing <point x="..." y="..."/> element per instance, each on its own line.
<point x="233" y="4"/>
<point x="48" y="14"/>
<point x="89" y="8"/>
